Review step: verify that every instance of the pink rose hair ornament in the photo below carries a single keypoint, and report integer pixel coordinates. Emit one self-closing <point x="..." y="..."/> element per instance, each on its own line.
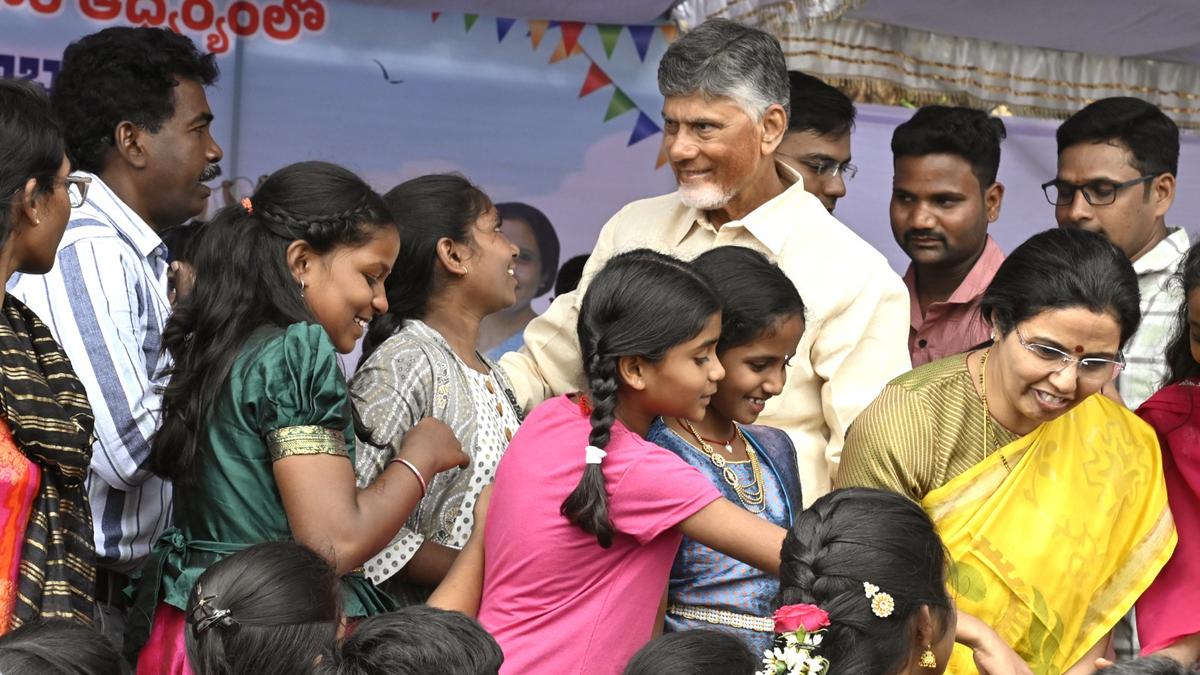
<point x="800" y="630"/>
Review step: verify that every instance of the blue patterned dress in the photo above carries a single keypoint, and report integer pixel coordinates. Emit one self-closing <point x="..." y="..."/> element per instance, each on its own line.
<point x="703" y="579"/>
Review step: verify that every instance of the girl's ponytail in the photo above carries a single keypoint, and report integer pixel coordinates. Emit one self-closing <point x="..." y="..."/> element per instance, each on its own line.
<point x="587" y="506"/>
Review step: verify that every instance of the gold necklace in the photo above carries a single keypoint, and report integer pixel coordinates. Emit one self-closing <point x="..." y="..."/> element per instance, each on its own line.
<point x="986" y="414"/>
<point x="751" y="495"/>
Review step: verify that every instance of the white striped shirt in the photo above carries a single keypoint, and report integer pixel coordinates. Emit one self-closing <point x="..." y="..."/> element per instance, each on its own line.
<point x="1146" y="351"/>
<point x="106" y="303"/>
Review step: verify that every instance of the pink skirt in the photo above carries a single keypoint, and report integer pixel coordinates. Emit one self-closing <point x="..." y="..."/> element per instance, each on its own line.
<point x="165" y="652"/>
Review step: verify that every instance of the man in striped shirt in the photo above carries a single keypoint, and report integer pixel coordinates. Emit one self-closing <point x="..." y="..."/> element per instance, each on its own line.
<point x="136" y="119"/>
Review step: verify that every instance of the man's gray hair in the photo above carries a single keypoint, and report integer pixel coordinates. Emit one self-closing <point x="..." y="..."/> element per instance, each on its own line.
<point x="723" y="58"/>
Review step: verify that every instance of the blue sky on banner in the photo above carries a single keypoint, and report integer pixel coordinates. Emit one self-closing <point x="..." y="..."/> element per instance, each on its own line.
<point x="495" y="110"/>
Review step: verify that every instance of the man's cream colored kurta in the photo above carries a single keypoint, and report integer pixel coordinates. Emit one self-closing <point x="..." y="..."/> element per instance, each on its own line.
<point x="856" y="332"/>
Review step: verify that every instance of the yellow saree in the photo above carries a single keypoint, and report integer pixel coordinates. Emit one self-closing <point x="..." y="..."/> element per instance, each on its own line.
<point x="1054" y="553"/>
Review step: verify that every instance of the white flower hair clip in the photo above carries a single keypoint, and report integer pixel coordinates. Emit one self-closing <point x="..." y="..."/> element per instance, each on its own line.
<point x="882" y="604"/>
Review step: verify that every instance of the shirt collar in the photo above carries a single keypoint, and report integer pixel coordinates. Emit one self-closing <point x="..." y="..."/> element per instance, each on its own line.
<point x="1165" y="255"/>
<point x="104" y="205"/>
<point x="976" y="281"/>
<point x="763" y="222"/>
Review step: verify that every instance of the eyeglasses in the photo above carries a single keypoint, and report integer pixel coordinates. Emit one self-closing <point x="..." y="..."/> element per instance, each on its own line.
<point x="831" y="167"/>
<point x="77" y="188"/>
<point x="1090" y="369"/>
<point x="1097" y="193"/>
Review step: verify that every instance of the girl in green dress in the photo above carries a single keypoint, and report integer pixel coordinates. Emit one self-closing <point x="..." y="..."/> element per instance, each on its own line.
<point x="257" y="431"/>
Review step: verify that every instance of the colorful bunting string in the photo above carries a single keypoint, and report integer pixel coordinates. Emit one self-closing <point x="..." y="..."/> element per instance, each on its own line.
<point x="596" y="78"/>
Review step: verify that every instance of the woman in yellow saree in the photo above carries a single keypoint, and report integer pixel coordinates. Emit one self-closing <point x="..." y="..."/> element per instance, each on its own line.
<point x="1049" y="497"/>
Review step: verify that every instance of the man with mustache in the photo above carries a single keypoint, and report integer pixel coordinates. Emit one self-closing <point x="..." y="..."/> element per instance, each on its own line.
<point x="725" y="111"/>
<point x="136" y="120"/>
<point x="944" y="194"/>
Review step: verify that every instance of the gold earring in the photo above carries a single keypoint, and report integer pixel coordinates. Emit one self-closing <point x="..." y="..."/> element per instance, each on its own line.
<point x="928" y="660"/>
<point x="302" y="288"/>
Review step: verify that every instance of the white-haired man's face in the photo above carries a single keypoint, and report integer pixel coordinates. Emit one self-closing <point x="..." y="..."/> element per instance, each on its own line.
<point x="713" y="146"/>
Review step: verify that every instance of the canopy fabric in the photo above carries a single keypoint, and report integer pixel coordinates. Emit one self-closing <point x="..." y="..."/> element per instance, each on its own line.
<point x="1016" y="57"/>
<point x="586" y="11"/>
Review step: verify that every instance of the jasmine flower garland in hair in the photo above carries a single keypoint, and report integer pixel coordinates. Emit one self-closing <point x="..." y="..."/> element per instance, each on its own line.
<point x="800" y="629"/>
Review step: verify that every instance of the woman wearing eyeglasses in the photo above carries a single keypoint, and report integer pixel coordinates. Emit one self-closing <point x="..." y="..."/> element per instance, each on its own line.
<point x="47" y="561"/>
<point x="1049" y="496"/>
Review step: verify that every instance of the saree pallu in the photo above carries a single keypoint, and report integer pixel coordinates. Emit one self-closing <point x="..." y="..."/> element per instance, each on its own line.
<point x="1053" y="554"/>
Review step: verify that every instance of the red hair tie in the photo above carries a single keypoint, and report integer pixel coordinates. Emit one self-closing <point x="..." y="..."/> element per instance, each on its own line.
<point x="246" y="204"/>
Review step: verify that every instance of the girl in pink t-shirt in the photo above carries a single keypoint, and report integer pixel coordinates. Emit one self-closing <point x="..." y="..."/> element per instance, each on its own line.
<point x="586" y="516"/>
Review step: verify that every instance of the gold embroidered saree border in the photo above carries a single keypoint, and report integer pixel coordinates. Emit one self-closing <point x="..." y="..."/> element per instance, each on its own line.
<point x="305" y="440"/>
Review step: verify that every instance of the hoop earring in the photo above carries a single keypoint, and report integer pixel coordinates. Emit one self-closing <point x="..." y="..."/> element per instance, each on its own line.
<point x="301" y="288"/>
<point x="928" y="660"/>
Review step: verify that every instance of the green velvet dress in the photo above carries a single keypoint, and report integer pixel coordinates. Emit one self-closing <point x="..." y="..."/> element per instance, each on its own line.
<point x="283" y="380"/>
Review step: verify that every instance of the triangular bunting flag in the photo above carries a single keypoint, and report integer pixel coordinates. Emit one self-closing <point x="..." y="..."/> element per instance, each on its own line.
<point x="644" y="128"/>
<point x="619" y="105"/>
<point x="469" y="20"/>
<point x="670" y="31"/>
<point x="537" y="28"/>
<point x="641" y="39"/>
<point x="502" y="28"/>
<point x="435" y="16"/>
<point x="595" y="79"/>
<point x="609" y="34"/>
<point x="560" y="53"/>
<point x="570" y="34"/>
<point x="662" y="157"/>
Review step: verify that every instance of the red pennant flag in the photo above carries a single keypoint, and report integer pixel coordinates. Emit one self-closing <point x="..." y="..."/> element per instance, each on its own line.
<point x="560" y="53"/>
<point x="595" y="79"/>
<point x="435" y="16"/>
<point x="570" y="34"/>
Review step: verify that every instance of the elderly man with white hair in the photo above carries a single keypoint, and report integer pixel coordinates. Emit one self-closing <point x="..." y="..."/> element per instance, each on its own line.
<point x="725" y="111"/>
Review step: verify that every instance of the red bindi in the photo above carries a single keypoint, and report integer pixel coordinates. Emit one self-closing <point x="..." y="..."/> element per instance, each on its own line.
<point x="1078" y="349"/>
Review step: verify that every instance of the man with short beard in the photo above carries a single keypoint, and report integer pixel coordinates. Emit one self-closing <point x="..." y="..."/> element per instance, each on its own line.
<point x="725" y="111"/>
<point x="136" y="120"/>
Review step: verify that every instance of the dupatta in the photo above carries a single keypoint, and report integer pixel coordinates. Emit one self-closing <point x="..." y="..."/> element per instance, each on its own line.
<point x="1053" y="554"/>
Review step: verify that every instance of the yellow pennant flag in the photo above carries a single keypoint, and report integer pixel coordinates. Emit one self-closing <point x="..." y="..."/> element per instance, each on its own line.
<point x="537" y="28"/>
<point x="560" y="52"/>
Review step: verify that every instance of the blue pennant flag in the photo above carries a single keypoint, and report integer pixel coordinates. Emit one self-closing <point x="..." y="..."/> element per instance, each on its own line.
<point x="644" y="128"/>
<point x="641" y="39"/>
<point x="502" y="27"/>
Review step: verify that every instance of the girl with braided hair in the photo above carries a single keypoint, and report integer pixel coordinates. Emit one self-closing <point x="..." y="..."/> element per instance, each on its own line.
<point x="257" y="432"/>
<point x="586" y="515"/>
<point x="864" y="571"/>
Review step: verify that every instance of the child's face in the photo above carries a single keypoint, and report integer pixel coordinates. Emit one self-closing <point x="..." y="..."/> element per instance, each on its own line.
<point x="1193" y="311"/>
<point x="683" y="383"/>
<point x="756" y="371"/>
<point x="344" y="288"/>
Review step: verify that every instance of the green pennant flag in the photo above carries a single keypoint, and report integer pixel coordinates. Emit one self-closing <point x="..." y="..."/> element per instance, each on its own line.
<point x="619" y="105"/>
<point x="608" y="35"/>
<point x="469" y="20"/>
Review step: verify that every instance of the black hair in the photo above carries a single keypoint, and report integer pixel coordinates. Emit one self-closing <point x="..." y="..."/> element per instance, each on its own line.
<point x="694" y="652"/>
<point x="569" y="275"/>
<point x="819" y="107"/>
<point x="1180" y="363"/>
<point x="416" y="640"/>
<point x="642" y="303"/>
<point x="242" y="283"/>
<point x="271" y="608"/>
<point x="181" y="241"/>
<point x="970" y="134"/>
<point x="543" y="232"/>
<point x="855" y="536"/>
<point x="1060" y="268"/>
<point x="1150" y="135"/>
<point x="31" y="146"/>
<point x="427" y="209"/>
<point x="122" y="74"/>
<point x="756" y="296"/>
<point x="58" y="648"/>
<point x="1150" y="665"/>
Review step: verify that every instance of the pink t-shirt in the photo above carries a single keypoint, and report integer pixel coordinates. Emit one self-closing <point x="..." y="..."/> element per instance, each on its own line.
<point x="552" y="597"/>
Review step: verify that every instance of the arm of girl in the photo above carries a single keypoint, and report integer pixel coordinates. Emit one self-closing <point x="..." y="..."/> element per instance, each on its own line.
<point x="1185" y="651"/>
<point x="462" y="589"/>
<point x="992" y="654"/>
<point x="734" y="531"/>
<point x="330" y="515"/>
